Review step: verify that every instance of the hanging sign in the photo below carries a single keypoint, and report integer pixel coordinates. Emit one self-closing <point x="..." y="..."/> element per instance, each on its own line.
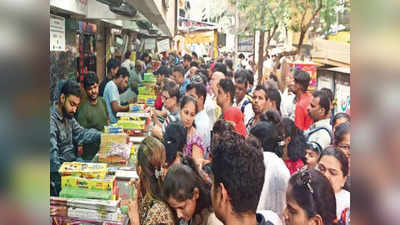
<point x="245" y="44"/>
<point x="163" y="45"/>
<point x="57" y="33"/>
<point x="149" y="44"/>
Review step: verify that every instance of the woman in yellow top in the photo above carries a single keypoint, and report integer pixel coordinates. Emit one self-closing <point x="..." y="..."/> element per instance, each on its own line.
<point x="147" y="208"/>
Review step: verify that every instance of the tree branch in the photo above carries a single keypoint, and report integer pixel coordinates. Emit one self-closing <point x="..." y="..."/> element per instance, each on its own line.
<point x="274" y="30"/>
<point x="314" y="15"/>
<point x="302" y="19"/>
<point x="272" y="15"/>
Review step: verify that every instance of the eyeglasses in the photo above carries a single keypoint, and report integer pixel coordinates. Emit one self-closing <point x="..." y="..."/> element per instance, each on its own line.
<point x="346" y="147"/>
<point x="164" y="98"/>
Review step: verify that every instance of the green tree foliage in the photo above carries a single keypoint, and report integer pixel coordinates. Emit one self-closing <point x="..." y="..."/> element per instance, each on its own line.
<point x="306" y="15"/>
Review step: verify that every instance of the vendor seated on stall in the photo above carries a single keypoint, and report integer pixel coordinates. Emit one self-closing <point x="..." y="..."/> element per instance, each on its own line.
<point x="112" y="97"/>
<point x="92" y="113"/>
<point x="66" y="133"/>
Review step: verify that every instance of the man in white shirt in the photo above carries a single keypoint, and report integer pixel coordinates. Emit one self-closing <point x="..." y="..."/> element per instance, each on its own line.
<point x="199" y="92"/>
<point x="319" y="110"/>
<point x="242" y="101"/>
<point x="128" y="64"/>
<point x="288" y="104"/>
<point x="210" y="105"/>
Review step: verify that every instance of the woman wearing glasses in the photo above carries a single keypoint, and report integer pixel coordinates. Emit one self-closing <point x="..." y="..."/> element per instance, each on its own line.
<point x="335" y="166"/>
<point x="342" y="142"/>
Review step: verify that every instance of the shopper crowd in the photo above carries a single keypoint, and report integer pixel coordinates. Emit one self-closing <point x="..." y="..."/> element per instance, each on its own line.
<point x="223" y="149"/>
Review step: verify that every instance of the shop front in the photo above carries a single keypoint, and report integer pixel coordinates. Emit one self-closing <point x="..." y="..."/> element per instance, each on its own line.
<point x="338" y="80"/>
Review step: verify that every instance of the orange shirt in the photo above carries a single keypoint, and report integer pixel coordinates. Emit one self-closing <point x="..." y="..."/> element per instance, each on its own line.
<point x="302" y="120"/>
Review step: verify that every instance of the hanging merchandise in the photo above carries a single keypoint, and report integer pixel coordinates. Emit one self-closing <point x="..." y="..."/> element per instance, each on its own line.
<point x="87" y="49"/>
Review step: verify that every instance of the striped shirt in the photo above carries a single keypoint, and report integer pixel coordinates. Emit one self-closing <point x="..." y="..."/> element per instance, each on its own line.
<point x="171" y="117"/>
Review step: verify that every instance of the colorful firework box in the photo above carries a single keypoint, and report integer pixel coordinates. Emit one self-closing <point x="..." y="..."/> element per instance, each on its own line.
<point x="93" y="204"/>
<point x="75" y="192"/>
<point x="61" y="220"/>
<point x="146" y="99"/>
<point x="80" y="169"/>
<point x="107" y="183"/>
<point x="147" y="90"/>
<point x="108" y="139"/>
<point x="149" y="78"/>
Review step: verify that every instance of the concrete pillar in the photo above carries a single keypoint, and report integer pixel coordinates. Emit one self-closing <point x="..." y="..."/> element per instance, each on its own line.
<point x="101" y="51"/>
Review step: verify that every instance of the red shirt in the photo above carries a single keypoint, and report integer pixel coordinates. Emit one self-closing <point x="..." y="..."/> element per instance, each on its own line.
<point x="158" y="103"/>
<point x="302" y="120"/>
<point x="294" y="166"/>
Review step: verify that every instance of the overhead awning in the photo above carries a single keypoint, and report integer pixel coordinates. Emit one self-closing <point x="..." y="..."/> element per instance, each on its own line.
<point x="331" y="52"/>
<point x="74" y="7"/>
<point x="345" y="70"/>
<point x="159" y="13"/>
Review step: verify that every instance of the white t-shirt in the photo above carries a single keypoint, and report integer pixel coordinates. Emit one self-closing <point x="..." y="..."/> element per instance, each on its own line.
<point x="342" y="202"/>
<point x="288" y="105"/>
<point x="210" y="107"/>
<point x="203" y="128"/>
<point x="248" y="109"/>
<point x="273" y="194"/>
<point x="271" y="216"/>
<point x="322" y="137"/>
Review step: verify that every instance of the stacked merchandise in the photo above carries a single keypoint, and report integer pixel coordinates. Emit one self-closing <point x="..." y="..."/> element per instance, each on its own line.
<point x="126" y="191"/>
<point x="147" y="93"/>
<point x="113" y="147"/>
<point x="134" y="123"/>
<point x="88" y="196"/>
<point x="87" y="212"/>
<point x="86" y="180"/>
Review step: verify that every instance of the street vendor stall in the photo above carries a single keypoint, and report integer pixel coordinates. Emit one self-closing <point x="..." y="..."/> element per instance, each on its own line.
<point x="98" y="192"/>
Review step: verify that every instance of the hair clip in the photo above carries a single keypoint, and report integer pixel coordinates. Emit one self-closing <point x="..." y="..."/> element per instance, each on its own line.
<point x="306" y="179"/>
<point x="315" y="146"/>
<point x="157" y="173"/>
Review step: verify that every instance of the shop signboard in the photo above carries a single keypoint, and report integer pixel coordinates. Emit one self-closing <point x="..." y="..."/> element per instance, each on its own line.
<point x="246" y="44"/>
<point x="342" y="93"/>
<point x="149" y="44"/>
<point x="57" y="33"/>
<point x="163" y="45"/>
<point x="325" y="80"/>
<point x="311" y="69"/>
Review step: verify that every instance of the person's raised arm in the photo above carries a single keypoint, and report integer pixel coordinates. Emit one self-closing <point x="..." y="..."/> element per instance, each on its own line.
<point x="118" y="108"/>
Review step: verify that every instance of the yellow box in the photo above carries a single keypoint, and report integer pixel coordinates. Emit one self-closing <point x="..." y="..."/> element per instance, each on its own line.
<point x="108" y="139"/>
<point x="132" y="124"/>
<point x="147" y="90"/>
<point x="143" y="99"/>
<point x="80" y="169"/>
<point x="102" y="184"/>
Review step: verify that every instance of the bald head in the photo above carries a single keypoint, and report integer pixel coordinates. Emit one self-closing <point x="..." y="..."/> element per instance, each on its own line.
<point x="216" y="77"/>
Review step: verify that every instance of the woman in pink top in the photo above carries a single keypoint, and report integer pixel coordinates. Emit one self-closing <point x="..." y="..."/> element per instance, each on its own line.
<point x="194" y="144"/>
